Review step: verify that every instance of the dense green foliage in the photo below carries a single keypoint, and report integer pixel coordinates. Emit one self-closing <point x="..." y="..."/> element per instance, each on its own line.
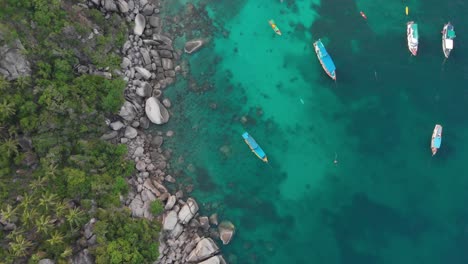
<point x="156" y="207"/>
<point x="125" y="240"/>
<point x="51" y="186"/>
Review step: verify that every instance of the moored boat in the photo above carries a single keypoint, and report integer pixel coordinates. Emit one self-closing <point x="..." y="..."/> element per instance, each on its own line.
<point x="274" y="27"/>
<point x="448" y="34"/>
<point x="325" y="59"/>
<point x="413" y="37"/>
<point x="436" y="139"/>
<point x="253" y="145"/>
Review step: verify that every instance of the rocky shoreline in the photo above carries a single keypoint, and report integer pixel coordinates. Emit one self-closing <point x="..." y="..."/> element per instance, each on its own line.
<point x="149" y="65"/>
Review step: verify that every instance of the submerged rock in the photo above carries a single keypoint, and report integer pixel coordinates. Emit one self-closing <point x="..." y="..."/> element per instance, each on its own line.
<point x="226" y="231"/>
<point x="193" y="45"/>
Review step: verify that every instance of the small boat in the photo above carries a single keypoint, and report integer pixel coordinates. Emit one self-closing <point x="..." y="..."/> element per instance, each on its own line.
<point x="363" y="15"/>
<point x="448" y="34"/>
<point x="256" y="149"/>
<point x="436" y="139"/>
<point x="413" y="37"/>
<point x="406" y="10"/>
<point x="325" y="59"/>
<point x="274" y="27"/>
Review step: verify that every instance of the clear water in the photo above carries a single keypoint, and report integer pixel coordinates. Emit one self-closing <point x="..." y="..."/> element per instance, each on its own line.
<point x="386" y="200"/>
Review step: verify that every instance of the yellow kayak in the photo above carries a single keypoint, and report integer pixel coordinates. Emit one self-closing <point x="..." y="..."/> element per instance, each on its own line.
<point x="407" y="10"/>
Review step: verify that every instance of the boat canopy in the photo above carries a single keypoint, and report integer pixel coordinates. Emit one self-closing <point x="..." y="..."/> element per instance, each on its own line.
<point x="325" y="57"/>
<point x="437" y="141"/>
<point x="451" y="33"/>
<point x="448" y="43"/>
<point x="252" y="143"/>
<point x="414" y="27"/>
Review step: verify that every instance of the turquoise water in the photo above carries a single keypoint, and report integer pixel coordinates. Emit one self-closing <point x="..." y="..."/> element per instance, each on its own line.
<point x="386" y="200"/>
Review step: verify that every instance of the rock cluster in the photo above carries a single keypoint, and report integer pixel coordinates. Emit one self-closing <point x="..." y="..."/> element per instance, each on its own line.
<point x="149" y="66"/>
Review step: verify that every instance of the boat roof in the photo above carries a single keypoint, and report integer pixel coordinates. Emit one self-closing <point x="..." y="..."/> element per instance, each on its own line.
<point x="437" y="141"/>
<point x="451" y="33"/>
<point x="254" y="145"/>
<point x="414" y="26"/>
<point x="448" y="43"/>
<point x="326" y="58"/>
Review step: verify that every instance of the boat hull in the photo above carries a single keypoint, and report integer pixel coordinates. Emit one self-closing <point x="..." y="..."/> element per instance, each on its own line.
<point x="254" y="147"/>
<point x="274" y="27"/>
<point x="436" y="139"/>
<point x="447" y="42"/>
<point x="325" y="60"/>
<point x="412" y="37"/>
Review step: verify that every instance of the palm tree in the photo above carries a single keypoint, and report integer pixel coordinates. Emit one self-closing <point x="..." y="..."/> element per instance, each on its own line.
<point x="9" y="213"/>
<point x="26" y="202"/>
<point x="60" y="208"/>
<point x="23" y="82"/>
<point x="55" y="239"/>
<point x="74" y="217"/>
<point x="66" y="253"/>
<point x="3" y="84"/>
<point x="47" y="199"/>
<point x="10" y="146"/>
<point x="19" y="247"/>
<point x="28" y="216"/>
<point x="14" y="233"/>
<point x="51" y="171"/>
<point x="37" y="184"/>
<point x="43" y="224"/>
<point x="6" y="109"/>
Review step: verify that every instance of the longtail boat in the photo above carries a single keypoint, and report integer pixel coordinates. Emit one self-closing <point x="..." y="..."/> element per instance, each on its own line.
<point x="448" y="34"/>
<point x="256" y="149"/>
<point x="325" y="59"/>
<point x="274" y="27"/>
<point x="413" y="37"/>
<point x="436" y="139"/>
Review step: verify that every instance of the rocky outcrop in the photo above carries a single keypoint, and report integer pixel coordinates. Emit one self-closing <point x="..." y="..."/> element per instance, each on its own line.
<point x="149" y="64"/>
<point x="13" y="64"/>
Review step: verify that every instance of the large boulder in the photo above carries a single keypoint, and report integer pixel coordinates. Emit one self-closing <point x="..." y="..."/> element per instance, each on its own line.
<point x="83" y="257"/>
<point x="170" y="221"/>
<point x="109" y="5"/>
<point x="123" y="6"/>
<point x="226" y="231"/>
<point x="13" y="63"/>
<point x="140" y="23"/>
<point x="193" y="45"/>
<point x="214" y="260"/>
<point x="188" y="211"/>
<point x="205" y="249"/>
<point x="156" y="111"/>
<point x="128" y="111"/>
<point x="144" y="72"/>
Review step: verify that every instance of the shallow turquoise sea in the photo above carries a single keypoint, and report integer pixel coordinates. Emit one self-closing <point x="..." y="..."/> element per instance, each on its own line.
<point x="386" y="200"/>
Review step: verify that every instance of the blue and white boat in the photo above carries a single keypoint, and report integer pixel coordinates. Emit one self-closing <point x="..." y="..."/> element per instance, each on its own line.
<point x="436" y="139"/>
<point x="325" y="59"/>
<point x="254" y="147"/>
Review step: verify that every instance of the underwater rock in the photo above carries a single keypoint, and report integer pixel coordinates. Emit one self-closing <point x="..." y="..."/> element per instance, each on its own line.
<point x="226" y="231"/>
<point x="193" y="45"/>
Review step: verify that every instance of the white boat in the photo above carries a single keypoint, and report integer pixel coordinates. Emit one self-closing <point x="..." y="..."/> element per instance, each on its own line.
<point x="436" y="139"/>
<point x="413" y="37"/>
<point x="448" y="34"/>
